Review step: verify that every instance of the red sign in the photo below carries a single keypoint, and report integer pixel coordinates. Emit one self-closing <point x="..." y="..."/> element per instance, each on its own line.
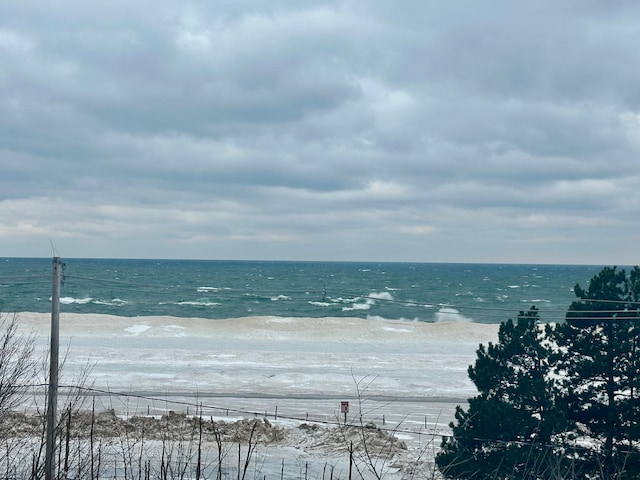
<point x="344" y="407"/>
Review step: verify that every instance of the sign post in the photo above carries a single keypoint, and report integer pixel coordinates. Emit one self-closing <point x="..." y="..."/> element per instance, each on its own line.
<point x="344" y="408"/>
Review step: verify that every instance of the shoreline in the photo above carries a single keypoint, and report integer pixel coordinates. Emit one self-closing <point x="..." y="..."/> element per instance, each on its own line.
<point x="299" y="366"/>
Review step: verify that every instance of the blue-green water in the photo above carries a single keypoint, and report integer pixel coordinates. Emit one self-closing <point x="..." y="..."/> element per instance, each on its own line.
<point x="484" y="293"/>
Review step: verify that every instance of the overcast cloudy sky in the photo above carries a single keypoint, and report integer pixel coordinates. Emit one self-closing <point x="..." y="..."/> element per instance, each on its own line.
<point x="438" y="131"/>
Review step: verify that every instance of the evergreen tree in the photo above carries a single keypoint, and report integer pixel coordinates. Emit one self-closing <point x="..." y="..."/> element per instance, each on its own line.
<point x="598" y="364"/>
<point x="563" y="402"/>
<point x="508" y="430"/>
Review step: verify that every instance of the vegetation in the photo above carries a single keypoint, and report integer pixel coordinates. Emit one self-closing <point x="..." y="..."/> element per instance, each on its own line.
<point x="17" y="366"/>
<point x="557" y="401"/>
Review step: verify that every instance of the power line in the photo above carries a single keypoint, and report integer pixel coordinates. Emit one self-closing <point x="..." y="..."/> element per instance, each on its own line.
<point x="199" y="407"/>
<point x="251" y="413"/>
<point x="31" y="277"/>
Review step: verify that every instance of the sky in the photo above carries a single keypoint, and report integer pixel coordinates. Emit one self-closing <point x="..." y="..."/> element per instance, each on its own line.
<point x="417" y="131"/>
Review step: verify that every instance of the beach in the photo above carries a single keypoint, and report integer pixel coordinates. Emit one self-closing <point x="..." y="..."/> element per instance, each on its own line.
<point x="270" y="356"/>
<point x="402" y="376"/>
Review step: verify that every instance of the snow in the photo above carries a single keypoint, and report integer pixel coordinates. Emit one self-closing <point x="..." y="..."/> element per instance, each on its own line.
<point x="271" y="355"/>
<point x="404" y="375"/>
<point x="137" y="329"/>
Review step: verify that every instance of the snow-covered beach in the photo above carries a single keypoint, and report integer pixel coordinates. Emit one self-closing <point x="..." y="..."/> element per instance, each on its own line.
<point x="270" y="356"/>
<point x="404" y="377"/>
<point x="301" y="367"/>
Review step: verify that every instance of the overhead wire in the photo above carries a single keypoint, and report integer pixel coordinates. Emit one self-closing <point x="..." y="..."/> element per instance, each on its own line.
<point x="200" y="407"/>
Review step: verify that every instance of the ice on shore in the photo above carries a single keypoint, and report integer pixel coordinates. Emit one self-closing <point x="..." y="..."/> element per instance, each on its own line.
<point x="137" y="329"/>
<point x="403" y="376"/>
<point x="294" y="360"/>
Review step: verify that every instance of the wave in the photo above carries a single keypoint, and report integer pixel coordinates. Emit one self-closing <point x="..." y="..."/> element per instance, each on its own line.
<point x="345" y="300"/>
<point x="447" y="314"/>
<point x="280" y="297"/>
<point x="381" y="296"/>
<point x="369" y="301"/>
<point x="357" y="306"/>
<point x="207" y="289"/>
<point x="75" y="301"/>
<point x="116" y="302"/>
<point x="197" y="304"/>
<point x="320" y="304"/>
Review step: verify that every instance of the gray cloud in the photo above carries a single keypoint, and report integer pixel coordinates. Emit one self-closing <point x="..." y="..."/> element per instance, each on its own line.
<point x="341" y="130"/>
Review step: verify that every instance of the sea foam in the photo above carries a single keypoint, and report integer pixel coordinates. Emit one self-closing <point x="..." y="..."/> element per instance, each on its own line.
<point x="450" y="315"/>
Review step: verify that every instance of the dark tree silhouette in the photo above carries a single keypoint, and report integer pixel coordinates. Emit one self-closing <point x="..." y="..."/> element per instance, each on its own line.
<point x="558" y="402"/>
<point x="600" y="370"/>
<point x="507" y="431"/>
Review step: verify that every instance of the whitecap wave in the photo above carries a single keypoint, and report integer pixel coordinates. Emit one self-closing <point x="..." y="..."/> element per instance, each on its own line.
<point x="357" y="306"/>
<point x="280" y="297"/>
<point x="381" y="296"/>
<point x="447" y="314"/>
<point x="320" y="304"/>
<point x="116" y="302"/>
<point x="345" y="300"/>
<point x="207" y="289"/>
<point x="198" y="304"/>
<point x="76" y="301"/>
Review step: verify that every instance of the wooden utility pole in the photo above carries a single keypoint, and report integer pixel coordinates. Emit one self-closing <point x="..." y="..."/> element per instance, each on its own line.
<point x="52" y="400"/>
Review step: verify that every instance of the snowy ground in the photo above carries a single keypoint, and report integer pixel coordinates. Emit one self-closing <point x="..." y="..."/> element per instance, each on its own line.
<point x="403" y="376"/>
